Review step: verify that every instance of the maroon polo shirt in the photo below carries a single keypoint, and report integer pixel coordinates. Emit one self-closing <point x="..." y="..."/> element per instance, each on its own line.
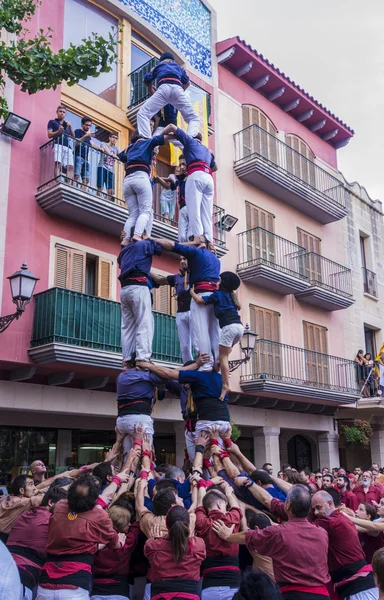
<point x="350" y="500"/>
<point x="344" y="545"/>
<point x="215" y="546"/>
<point x="373" y="493"/>
<point x="112" y="561"/>
<point x="30" y="530"/>
<point x="370" y="544"/>
<point x="298" y="552"/>
<point x="164" y="567"/>
<point x="277" y="509"/>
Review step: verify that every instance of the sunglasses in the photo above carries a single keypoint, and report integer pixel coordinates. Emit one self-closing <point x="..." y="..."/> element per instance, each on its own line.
<point x="318" y="476"/>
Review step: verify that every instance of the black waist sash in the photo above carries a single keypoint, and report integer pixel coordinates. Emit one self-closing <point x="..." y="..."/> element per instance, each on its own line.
<point x="357" y="585"/>
<point x="221" y="571"/>
<point x="174" y="585"/>
<point x="80" y="578"/>
<point x="29" y="573"/>
<point x="113" y="585"/>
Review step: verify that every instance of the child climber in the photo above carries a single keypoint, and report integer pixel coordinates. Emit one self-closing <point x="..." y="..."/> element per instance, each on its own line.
<point x="226" y="307"/>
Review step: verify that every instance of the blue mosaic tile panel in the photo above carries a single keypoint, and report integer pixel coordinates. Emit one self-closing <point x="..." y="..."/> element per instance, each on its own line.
<point x="186" y="23"/>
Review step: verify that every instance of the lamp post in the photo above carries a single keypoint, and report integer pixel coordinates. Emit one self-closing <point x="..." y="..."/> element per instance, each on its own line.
<point x="247" y="345"/>
<point x="23" y="284"/>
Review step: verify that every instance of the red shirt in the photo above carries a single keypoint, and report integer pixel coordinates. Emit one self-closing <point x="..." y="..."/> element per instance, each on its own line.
<point x="370" y="544"/>
<point x="344" y="545"/>
<point x="277" y="509"/>
<point x="373" y="493"/>
<point x="350" y="500"/>
<point x="215" y="546"/>
<point x="111" y="561"/>
<point x="164" y="567"/>
<point x="30" y="530"/>
<point x="299" y="554"/>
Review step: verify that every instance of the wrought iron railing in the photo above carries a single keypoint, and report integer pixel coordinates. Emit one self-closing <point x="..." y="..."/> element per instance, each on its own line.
<point x="369" y="280"/>
<point x="65" y="317"/>
<point x="256" y="143"/>
<point x="289" y="364"/>
<point x="327" y="274"/>
<point x="259" y="246"/>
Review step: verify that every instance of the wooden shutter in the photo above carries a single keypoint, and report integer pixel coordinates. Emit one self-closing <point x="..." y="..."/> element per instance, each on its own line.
<point x="77" y="273"/>
<point x="266" y="359"/>
<point x="257" y="140"/>
<point x="312" y="262"/>
<point x="296" y="161"/>
<point x="315" y="341"/>
<point x="164" y="300"/>
<point x="62" y="259"/>
<point x="104" y="271"/>
<point x="258" y="217"/>
<point x="265" y="323"/>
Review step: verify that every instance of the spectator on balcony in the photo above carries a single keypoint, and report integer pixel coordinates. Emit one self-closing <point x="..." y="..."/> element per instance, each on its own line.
<point x="226" y="307"/>
<point x="199" y="188"/>
<point x="171" y="83"/>
<point x="83" y="143"/>
<point x="59" y="131"/>
<point x="360" y="363"/>
<point x="180" y="282"/>
<point x="106" y="168"/>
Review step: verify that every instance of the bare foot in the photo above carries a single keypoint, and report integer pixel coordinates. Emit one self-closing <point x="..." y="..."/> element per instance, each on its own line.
<point x="136" y="238"/>
<point x="224" y="390"/>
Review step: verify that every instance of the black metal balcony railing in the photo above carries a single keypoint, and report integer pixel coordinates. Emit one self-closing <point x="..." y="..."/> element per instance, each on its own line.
<point x="259" y="246"/>
<point x="90" y="175"/>
<point x="256" y="142"/>
<point x="65" y="317"/>
<point x="288" y="364"/>
<point x="327" y="274"/>
<point x="370" y="284"/>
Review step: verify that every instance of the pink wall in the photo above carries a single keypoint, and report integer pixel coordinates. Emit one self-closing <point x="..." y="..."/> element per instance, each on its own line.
<point x="243" y="93"/>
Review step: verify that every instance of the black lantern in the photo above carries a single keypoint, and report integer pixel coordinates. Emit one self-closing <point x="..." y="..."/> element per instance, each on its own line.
<point x="23" y="284"/>
<point x="247" y="345"/>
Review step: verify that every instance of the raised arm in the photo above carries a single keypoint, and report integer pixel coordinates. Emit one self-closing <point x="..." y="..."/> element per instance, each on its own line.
<point x="159" y="279"/>
<point x="283" y="485"/>
<point x="163" y="182"/>
<point x="245" y="463"/>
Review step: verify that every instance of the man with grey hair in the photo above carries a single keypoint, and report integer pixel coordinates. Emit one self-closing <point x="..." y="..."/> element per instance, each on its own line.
<point x="298" y="552"/>
<point x="183" y="485"/>
<point x="348" y="568"/>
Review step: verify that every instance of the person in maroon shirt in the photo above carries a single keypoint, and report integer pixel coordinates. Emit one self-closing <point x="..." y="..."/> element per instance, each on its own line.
<point x="176" y="559"/>
<point x="299" y="553"/>
<point x="348" y="568"/>
<point x="346" y="496"/>
<point x="27" y="541"/>
<point x="111" y="565"/>
<point x="367" y="492"/>
<point x="373" y="540"/>
<point x="76" y="529"/>
<point x="220" y="569"/>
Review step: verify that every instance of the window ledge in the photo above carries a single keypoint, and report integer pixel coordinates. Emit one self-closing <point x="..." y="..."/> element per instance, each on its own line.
<point x="371" y="297"/>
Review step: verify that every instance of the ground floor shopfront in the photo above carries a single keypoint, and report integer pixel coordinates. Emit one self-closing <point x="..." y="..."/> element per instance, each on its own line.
<point x="66" y="426"/>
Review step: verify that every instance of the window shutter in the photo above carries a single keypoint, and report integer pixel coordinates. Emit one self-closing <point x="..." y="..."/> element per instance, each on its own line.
<point x="315" y="341"/>
<point x="315" y="337"/>
<point x="77" y="279"/>
<point x="265" y="323"/>
<point x="258" y="217"/>
<point x="257" y="140"/>
<point x="296" y="161"/>
<point x="62" y="257"/>
<point x="104" y="270"/>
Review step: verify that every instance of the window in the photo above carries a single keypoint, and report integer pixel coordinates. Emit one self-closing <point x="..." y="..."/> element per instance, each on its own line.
<point x="164" y="300"/>
<point x="316" y="365"/>
<point x="265" y="323"/>
<point x="261" y="139"/>
<point x="259" y="243"/>
<point x="141" y="51"/>
<point x="82" y="272"/>
<point x="81" y="19"/>
<point x="308" y="241"/>
<point x="267" y="356"/>
<point x="300" y="159"/>
<point x="370" y="340"/>
<point x="258" y="217"/>
<point x="310" y="265"/>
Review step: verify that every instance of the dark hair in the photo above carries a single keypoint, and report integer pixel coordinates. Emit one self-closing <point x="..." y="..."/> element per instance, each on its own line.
<point x="211" y="498"/>
<point x="111" y="133"/>
<point x="54" y="494"/>
<point x="61" y="482"/>
<point x="181" y="157"/>
<point x="285" y="466"/>
<point x="85" y="120"/>
<point x="370" y="510"/>
<point x="292" y="476"/>
<point x="378" y="567"/>
<point x="329" y="475"/>
<point x="165" y="483"/>
<point x="299" y="499"/>
<point x="61" y="106"/>
<point x="134" y="137"/>
<point x="20" y="482"/>
<point x="262" y="476"/>
<point x="336" y="496"/>
<point x="166" y="55"/>
<point x="83" y="494"/>
<point x="126" y="500"/>
<point x="163" y="501"/>
<point x="102" y="471"/>
<point x="306" y="470"/>
<point x="265" y="465"/>
<point x="178" y="529"/>
<point x="256" y="519"/>
<point x="162" y="468"/>
<point x="346" y="479"/>
<point x="257" y="585"/>
<point x="199" y="137"/>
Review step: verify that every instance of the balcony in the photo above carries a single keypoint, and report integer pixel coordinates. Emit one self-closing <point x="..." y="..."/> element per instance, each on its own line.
<point x="139" y="93"/>
<point x="281" y="372"/>
<point x="95" y="206"/>
<point x="271" y="262"/>
<point x="330" y="284"/>
<point x="70" y="327"/>
<point x="269" y="164"/>
<point x="370" y="283"/>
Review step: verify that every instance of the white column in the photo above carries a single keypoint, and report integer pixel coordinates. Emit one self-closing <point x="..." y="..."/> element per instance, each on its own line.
<point x="180" y="443"/>
<point x="377" y="445"/>
<point x="266" y="447"/>
<point x="64" y="447"/>
<point x="328" y="450"/>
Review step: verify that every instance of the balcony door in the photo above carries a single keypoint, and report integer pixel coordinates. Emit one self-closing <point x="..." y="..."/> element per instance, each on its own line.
<point x="260" y="245"/>
<point x="311" y="264"/>
<point x="300" y="159"/>
<point x="266" y="360"/>
<point x="258" y="140"/>
<point x="316" y="355"/>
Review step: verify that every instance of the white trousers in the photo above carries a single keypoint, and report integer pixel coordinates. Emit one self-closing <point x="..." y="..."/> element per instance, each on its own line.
<point x="126" y="424"/>
<point x="77" y="594"/>
<point x="176" y="143"/>
<point x="183" y="225"/>
<point x="183" y="324"/>
<point x="222" y="426"/>
<point x="372" y="594"/>
<point x="218" y="593"/>
<point x="136" y="322"/>
<point x="199" y="197"/>
<point x="113" y="597"/>
<point x="25" y="593"/>
<point x="190" y="444"/>
<point x="138" y="198"/>
<point x="167" y="93"/>
<point x="205" y="331"/>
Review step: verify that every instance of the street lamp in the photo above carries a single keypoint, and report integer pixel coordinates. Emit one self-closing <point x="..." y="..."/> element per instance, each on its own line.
<point x="23" y="284"/>
<point x="247" y="345"/>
